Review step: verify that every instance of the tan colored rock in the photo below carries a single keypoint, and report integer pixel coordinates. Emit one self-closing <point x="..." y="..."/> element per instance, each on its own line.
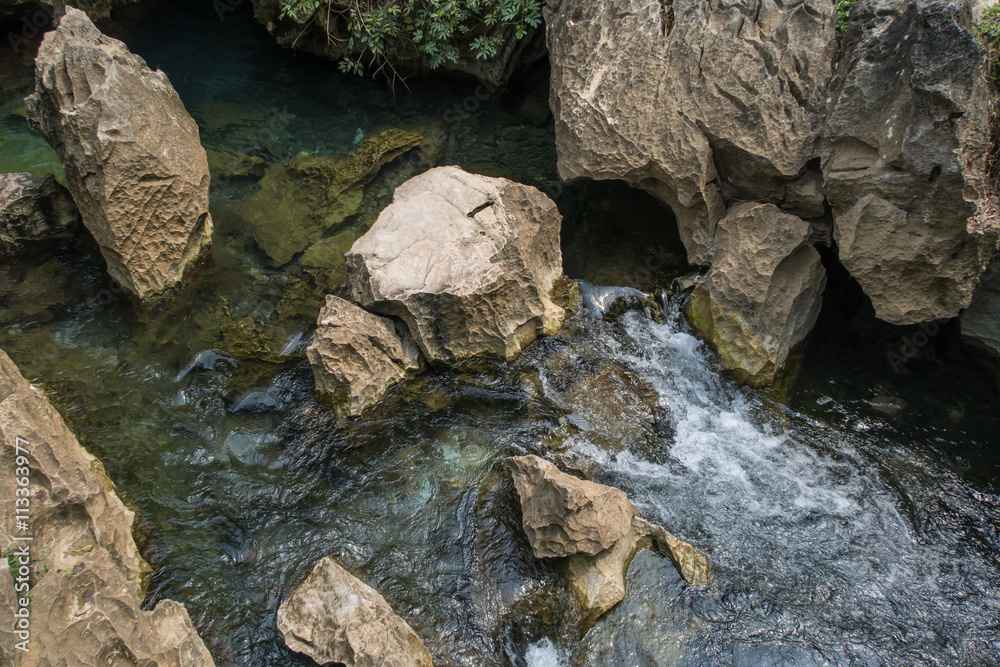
<point x="662" y="94"/>
<point x="34" y="208"/>
<point x="357" y="356"/>
<point x="131" y="152"/>
<point x="564" y="515"/>
<point x="980" y="322"/>
<point x="89" y="577"/>
<point x="334" y="617"/>
<point x="466" y="261"/>
<point x="763" y="294"/>
<point x="599" y="581"/>
<point x="300" y="200"/>
<point x="903" y="157"/>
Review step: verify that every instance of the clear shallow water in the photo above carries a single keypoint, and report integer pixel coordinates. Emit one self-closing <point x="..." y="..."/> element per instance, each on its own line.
<point x="839" y="533"/>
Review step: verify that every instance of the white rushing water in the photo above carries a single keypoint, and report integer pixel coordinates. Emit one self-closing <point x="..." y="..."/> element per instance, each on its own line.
<point x="817" y="558"/>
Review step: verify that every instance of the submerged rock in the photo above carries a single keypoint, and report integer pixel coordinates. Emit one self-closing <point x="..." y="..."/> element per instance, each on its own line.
<point x="564" y="515"/>
<point x="597" y="528"/>
<point x="300" y="200"/>
<point x="89" y="579"/>
<point x="34" y="208"/>
<point x="132" y="155"/>
<point x="467" y="261"/>
<point x="357" y="356"/>
<point x="692" y="101"/>
<point x="335" y="618"/>
<point x="763" y="294"/>
<point x="903" y="157"/>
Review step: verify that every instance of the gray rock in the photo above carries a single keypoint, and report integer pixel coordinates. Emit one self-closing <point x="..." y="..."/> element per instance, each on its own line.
<point x="564" y="515"/>
<point x="763" y="294"/>
<point x="903" y="157"/>
<point x="334" y="617"/>
<point x="34" y="208"/>
<point x="132" y="155"/>
<point x="466" y="261"/>
<point x="90" y="580"/>
<point x="691" y="100"/>
<point x="980" y="322"/>
<point x="357" y="356"/>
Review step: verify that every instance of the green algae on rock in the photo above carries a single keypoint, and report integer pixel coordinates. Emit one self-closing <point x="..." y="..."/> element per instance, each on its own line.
<point x="302" y="199"/>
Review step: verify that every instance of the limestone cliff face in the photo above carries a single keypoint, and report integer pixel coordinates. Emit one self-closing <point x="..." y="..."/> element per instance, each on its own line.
<point x="878" y="135"/>
<point x="88" y="579"/>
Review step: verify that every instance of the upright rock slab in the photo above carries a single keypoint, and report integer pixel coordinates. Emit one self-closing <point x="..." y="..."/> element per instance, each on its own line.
<point x="466" y="261"/>
<point x="664" y="95"/>
<point x="357" y="356"/>
<point x="334" y="617"/>
<point x="763" y="294"/>
<point x="34" y="208"/>
<point x="903" y="157"/>
<point x="89" y="579"/>
<point x="132" y="155"/>
<point x="565" y="515"/>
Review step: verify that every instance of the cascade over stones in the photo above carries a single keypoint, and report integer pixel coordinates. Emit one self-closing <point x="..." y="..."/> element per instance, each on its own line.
<point x="763" y="294"/>
<point x="132" y="155"/>
<point x="335" y="618"/>
<point x="597" y="528"/>
<point x="357" y="356"/>
<point x="903" y="157"/>
<point x="466" y="261"/>
<point x="89" y="581"/>
<point x="34" y="208"/>
<point x="692" y="101"/>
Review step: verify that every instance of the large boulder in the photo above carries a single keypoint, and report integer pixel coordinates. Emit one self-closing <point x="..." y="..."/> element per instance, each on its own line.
<point x="300" y="200"/>
<point x="692" y="100"/>
<point x="903" y="157"/>
<point x="597" y="532"/>
<point x="763" y="294"/>
<point x="89" y="579"/>
<point x="132" y="155"/>
<point x="598" y="581"/>
<point x="335" y="618"/>
<point x="564" y="515"/>
<point x="980" y="322"/>
<point x="34" y="208"/>
<point x="466" y="261"/>
<point x="311" y="31"/>
<point x="357" y="356"/>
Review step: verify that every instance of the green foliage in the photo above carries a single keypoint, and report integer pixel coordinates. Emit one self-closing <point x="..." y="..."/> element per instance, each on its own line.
<point x="440" y="30"/>
<point x="843" y="12"/>
<point x="989" y="27"/>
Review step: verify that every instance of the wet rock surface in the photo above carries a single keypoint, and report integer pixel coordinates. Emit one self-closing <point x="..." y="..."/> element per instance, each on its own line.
<point x="466" y="261"/>
<point x="131" y="152"/>
<point x="357" y="356"/>
<point x="763" y="294"/>
<point x="34" y="208"/>
<point x="88" y="577"/>
<point x="980" y="322"/>
<point x="335" y="618"/>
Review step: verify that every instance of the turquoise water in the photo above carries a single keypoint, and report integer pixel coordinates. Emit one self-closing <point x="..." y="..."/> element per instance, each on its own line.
<point x="856" y="525"/>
